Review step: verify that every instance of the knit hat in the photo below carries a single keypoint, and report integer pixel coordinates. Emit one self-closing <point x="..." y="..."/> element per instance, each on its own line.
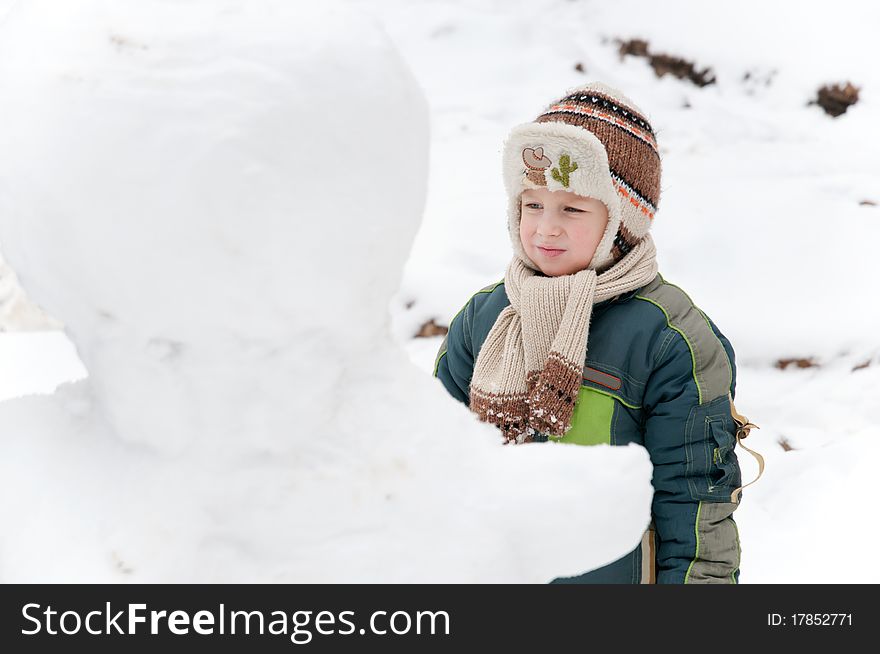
<point x="594" y="142"/>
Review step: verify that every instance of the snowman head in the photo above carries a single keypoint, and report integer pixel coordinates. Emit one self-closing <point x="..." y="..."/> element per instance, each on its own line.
<point x="186" y="190"/>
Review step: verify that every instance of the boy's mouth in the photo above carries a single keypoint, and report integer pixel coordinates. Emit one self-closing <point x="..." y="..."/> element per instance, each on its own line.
<point x="550" y="252"/>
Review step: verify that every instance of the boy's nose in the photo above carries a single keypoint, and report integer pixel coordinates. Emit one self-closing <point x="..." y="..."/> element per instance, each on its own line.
<point x="548" y="227"/>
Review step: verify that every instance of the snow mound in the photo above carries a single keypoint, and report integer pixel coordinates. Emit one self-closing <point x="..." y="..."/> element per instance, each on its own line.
<point x="217" y="198"/>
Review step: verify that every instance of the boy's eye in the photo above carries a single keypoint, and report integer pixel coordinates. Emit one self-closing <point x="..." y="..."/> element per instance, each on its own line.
<point x="537" y="205"/>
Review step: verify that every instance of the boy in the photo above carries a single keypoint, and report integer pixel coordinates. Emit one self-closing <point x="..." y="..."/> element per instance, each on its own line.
<point x="584" y="342"/>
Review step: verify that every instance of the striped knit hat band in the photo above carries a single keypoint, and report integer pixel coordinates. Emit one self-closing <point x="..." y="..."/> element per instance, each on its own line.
<point x="595" y="142"/>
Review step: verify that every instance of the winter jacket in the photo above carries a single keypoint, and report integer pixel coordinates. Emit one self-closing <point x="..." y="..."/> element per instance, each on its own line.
<point x="658" y="372"/>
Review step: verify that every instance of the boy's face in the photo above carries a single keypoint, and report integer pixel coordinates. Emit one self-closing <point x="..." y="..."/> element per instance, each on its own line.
<point x="560" y="230"/>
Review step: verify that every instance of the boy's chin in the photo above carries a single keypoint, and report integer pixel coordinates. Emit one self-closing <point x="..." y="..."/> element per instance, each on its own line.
<point x="554" y="271"/>
<point x="560" y="270"/>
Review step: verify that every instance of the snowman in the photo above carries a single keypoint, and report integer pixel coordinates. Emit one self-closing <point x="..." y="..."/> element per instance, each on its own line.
<point x="217" y="198"/>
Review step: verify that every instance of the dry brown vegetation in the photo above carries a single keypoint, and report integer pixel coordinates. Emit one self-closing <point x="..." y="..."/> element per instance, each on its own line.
<point x="835" y="99"/>
<point x="782" y="364"/>
<point x="431" y="328"/>
<point x="665" y="64"/>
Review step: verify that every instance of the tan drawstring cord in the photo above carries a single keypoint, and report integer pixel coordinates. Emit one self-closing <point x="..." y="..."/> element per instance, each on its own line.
<point x="743" y="427"/>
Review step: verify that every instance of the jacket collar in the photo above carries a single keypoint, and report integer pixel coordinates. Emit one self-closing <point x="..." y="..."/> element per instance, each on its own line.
<point x="623" y="297"/>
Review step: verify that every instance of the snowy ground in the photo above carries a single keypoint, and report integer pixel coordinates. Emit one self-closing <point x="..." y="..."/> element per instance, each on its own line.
<point x="762" y="220"/>
<point x="36" y="362"/>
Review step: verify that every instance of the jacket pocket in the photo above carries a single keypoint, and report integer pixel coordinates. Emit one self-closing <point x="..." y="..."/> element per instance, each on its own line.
<point x="591" y="419"/>
<point x="724" y="474"/>
<point x="712" y="468"/>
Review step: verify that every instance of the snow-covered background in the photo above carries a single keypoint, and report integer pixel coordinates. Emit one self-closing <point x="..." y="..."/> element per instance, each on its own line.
<point x="769" y="214"/>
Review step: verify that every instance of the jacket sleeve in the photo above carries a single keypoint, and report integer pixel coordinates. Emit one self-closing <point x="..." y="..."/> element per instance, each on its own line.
<point x="731" y="355"/>
<point x="691" y="440"/>
<point x="454" y="364"/>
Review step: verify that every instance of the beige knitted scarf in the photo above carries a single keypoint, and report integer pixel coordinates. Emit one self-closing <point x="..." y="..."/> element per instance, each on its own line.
<point x="528" y="372"/>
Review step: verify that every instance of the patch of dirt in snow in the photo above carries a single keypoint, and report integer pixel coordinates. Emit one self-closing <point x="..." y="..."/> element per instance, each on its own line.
<point x="665" y="64"/>
<point x="836" y="99"/>
<point x="431" y="328"/>
<point x="783" y="442"/>
<point x="782" y="364"/>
